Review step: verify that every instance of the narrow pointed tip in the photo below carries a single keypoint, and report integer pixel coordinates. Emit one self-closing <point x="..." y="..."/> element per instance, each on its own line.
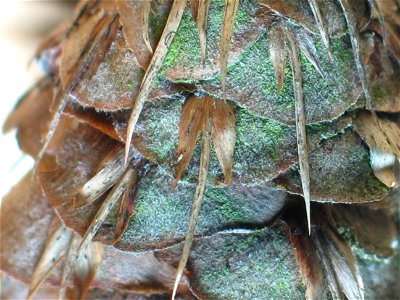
<point x="30" y="294"/>
<point x="179" y="272"/>
<point x="327" y="44"/>
<point x="308" y="212"/>
<point x="127" y="148"/>
<point x="176" y="284"/>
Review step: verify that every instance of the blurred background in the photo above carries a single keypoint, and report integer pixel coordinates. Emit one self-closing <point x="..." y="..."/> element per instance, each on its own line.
<point x="22" y="26"/>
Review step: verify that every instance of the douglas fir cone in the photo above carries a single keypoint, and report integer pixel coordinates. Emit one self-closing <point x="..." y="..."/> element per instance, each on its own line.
<point x="211" y="149"/>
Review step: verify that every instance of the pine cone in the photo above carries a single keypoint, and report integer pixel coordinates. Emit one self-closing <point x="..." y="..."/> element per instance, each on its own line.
<point x="211" y="149"/>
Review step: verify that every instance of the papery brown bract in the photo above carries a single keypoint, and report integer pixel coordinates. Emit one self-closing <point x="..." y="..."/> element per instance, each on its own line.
<point x="154" y="67"/>
<point x="277" y="51"/>
<point x="196" y="112"/>
<point x="133" y="27"/>
<point x="224" y="136"/>
<point x="56" y="244"/>
<point x="230" y="10"/>
<point x="85" y="270"/>
<point x="83" y="177"/>
<point x="302" y="148"/>
<point x="31" y="117"/>
<point x="127" y="205"/>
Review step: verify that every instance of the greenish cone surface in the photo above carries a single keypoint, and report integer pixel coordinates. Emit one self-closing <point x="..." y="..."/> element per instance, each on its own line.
<point x="251" y="240"/>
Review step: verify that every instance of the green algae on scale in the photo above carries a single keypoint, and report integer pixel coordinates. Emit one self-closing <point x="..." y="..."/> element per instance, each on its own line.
<point x="158" y="127"/>
<point x="183" y="60"/>
<point x="340" y="171"/>
<point x="253" y="265"/>
<point x="252" y="84"/>
<point x="161" y="214"/>
<point x="264" y="147"/>
<point x="185" y="48"/>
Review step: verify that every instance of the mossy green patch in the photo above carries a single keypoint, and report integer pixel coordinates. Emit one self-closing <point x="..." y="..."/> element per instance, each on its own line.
<point x="228" y="210"/>
<point x="192" y="170"/>
<point x="129" y="85"/>
<point x="158" y="125"/>
<point x="185" y="48"/>
<point x="258" y="265"/>
<point x="325" y="130"/>
<point x="367" y="183"/>
<point x="255" y="67"/>
<point x="262" y="135"/>
<point x="262" y="145"/>
<point x="340" y="171"/>
<point x="157" y="213"/>
<point x="252" y="84"/>
<point x="162" y="214"/>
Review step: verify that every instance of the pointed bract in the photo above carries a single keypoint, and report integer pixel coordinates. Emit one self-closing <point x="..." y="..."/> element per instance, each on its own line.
<point x="277" y="51"/>
<point x="103" y="212"/>
<point x="155" y="65"/>
<point x="202" y="17"/>
<point x="194" y="113"/>
<point x="56" y="244"/>
<point x="224" y="136"/>
<point x="194" y="8"/>
<point x="198" y="197"/>
<point x="86" y="65"/>
<point x="300" y="122"/>
<point x="354" y="38"/>
<point x="127" y="206"/>
<point x="85" y="270"/>
<point x="309" y="264"/>
<point x="321" y="24"/>
<point x="146" y="21"/>
<point x="79" y="41"/>
<point x="135" y="29"/>
<point x="307" y="47"/>
<point x="110" y="172"/>
<point x="325" y="258"/>
<point x="68" y="265"/>
<point x="230" y="10"/>
<point x="339" y="264"/>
